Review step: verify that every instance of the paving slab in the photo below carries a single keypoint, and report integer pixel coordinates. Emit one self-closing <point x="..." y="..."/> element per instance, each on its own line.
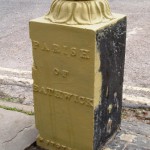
<point x="17" y="130"/>
<point x="133" y="135"/>
<point x="21" y="108"/>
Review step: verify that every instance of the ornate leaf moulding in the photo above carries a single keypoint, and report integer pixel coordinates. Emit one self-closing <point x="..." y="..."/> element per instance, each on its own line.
<point x="78" y="12"/>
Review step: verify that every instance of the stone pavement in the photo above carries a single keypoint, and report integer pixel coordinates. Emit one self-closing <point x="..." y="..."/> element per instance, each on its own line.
<point x="17" y="130"/>
<point x="15" y="44"/>
<point x="15" y="85"/>
<point x="134" y="133"/>
<point x="133" y="136"/>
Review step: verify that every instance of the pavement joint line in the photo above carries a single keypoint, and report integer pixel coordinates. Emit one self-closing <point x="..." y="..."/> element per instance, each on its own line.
<point x="26" y="108"/>
<point x="30" y="80"/>
<point x="15" y="70"/>
<point x="132" y="98"/>
<point x="16" y="79"/>
<point x="142" y="100"/>
<point x="135" y="88"/>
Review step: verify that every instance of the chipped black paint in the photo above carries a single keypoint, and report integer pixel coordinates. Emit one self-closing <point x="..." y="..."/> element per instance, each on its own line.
<point x="111" y="44"/>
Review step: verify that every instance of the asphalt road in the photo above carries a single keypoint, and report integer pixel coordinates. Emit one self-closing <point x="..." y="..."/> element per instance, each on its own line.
<point x="15" y="45"/>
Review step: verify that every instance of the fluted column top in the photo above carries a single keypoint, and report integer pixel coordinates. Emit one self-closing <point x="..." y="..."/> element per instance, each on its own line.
<point x="79" y="12"/>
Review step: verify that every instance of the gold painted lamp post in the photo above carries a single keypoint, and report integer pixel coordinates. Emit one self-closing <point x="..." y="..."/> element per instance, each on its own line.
<point x="78" y="53"/>
<point x="79" y="12"/>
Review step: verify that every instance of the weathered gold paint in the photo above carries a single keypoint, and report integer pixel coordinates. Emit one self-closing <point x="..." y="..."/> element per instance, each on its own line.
<point x="79" y="12"/>
<point x="66" y="63"/>
<point x="110" y="108"/>
<point x="98" y="80"/>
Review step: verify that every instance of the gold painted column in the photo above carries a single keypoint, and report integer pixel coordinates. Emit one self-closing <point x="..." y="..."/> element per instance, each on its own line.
<point x="78" y="54"/>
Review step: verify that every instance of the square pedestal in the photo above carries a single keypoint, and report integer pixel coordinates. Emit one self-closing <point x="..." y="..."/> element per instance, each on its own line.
<point x="78" y="78"/>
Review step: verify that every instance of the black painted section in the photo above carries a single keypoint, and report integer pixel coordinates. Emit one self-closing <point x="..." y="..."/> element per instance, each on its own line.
<point x="111" y="44"/>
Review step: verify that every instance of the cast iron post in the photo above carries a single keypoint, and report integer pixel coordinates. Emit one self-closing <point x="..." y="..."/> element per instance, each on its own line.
<point x="78" y="53"/>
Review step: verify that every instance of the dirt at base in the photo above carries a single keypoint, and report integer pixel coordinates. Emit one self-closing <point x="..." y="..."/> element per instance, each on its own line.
<point x="132" y="114"/>
<point x="34" y="147"/>
<point x="128" y="114"/>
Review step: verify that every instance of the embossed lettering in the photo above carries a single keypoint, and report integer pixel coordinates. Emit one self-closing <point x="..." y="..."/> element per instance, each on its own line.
<point x="50" y="91"/>
<point x="63" y="73"/>
<point x="47" y="142"/>
<point x="76" y="98"/>
<point x="45" y="48"/>
<point x="73" y="51"/>
<point x="35" y="44"/>
<point x="64" y="95"/>
<point x="58" y="94"/>
<point x="56" y="48"/>
<point x="89" y="102"/>
<point x="58" y="146"/>
<point x="68" y="96"/>
<point x="82" y="100"/>
<point x="84" y="54"/>
<point x="35" y="88"/>
<point x="43" y="90"/>
<point x="64" y="147"/>
<point x="64" y="50"/>
<point x="56" y="71"/>
<point x="52" y="143"/>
